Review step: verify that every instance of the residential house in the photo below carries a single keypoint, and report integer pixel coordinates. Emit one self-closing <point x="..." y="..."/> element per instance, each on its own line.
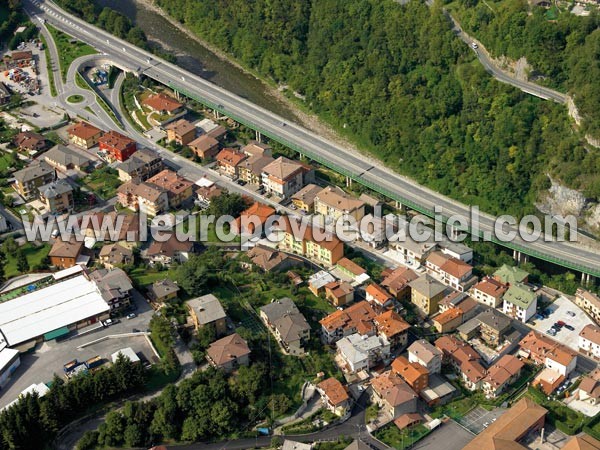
<point x="357" y="318"/>
<point x="206" y="191"/>
<point x="207" y="310"/>
<point x="523" y="419"/>
<point x="352" y="271"/>
<point x="468" y="307"/>
<point x="589" y="302"/>
<point x="30" y="142"/>
<point x="287" y="324"/>
<point x="29" y="179"/>
<point x="65" y="254"/>
<point x="398" y="282"/>
<point x="304" y="199"/>
<point x="57" y="196"/>
<point x="269" y="259"/>
<point x="163" y="104"/>
<point x="378" y="296"/>
<point x="162" y="291"/>
<point x="339" y="293"/>
<point x="228" y="162"/>
<point x="321" y="246"/>
<point x="255" y="148"/>
<point x="169" y="251"/>
<point x="84" y="135"/>
<point x="334" y="396"/>
<point x="126" y="226"/>
<point x="395" y="329"/>
<point x="393" y="395"/>
<point x="317" y="282"/>
<point x="448" y="320"/>
<point x="589" y="341"/>
<point x="181" y="131"/>
<point x="413" y="373"/>
<point x="204" y="147"/>
<point x="65" y="159"/>
<point x="178" y="189"/>
<point x="146" y="198"/>
<point x="333" y="203"/>
<point x="117" y="146"/>
<point x="589" y="388"/>
<point x="450" y="271"/>
<point x="548" y="381"/>
<point x="293" y="445"/>
<point x="489" y="291"/>
<point x="502" y="374"/>
<point x="493" y="326"/>
<point x="360" y="352"/>
<point x="542" y="350"/>
<point x="115" y="287"/>
<point x="520" y="302"/>
<point x="250" y="169"/>
<point x="426" y="293"/>
<point x="253" y="220"/>
<point x="115" y="254"/>
<point x="510" y="275"/>
<point x="413" y="252"/>
<point x="142" y="165"/>
<point x="283" y="177"/>
<point x="456" y="250"/>
<point x="425" y="354"/>
<point x="464" y="359"/>
<point x="228" y="353"/>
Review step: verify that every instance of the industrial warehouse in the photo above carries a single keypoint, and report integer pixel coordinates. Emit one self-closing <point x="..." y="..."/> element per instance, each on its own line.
<point x="71" y="299"/>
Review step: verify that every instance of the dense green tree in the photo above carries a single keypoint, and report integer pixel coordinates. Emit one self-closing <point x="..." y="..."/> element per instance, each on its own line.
<point x="22" y="263"/>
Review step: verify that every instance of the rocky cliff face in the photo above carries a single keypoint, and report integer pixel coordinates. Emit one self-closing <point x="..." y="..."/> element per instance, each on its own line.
<point x="562" y="200"/>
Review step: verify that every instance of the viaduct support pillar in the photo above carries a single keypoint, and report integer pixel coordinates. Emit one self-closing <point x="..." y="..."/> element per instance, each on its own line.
<point x="258" y="136"/>
<point x="348" y="181"/>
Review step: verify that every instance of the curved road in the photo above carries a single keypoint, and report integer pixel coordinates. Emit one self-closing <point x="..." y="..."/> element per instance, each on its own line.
<point x="359" y="167"/>
<point x="500" y="75"/>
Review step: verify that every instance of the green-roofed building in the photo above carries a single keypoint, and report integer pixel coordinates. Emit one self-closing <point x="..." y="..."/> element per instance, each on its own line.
<point x="520" y="302"/>
<point x="511" y="275"/>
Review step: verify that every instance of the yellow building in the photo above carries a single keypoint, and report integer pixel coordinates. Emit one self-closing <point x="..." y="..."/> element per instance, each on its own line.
<point x="426" y="293"/>
<point x="333" y="203"/>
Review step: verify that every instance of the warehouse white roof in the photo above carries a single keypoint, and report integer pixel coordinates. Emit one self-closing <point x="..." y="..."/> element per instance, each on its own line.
<point x="6" y="356"/>
<point x="49" y="309"/>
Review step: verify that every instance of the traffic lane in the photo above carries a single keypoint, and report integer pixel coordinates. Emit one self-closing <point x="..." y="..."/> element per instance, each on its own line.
<point x="564" y="254"/>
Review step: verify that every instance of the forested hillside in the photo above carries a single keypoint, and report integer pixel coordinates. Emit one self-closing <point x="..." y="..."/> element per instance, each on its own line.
<point x="561" y="47"/>
<point x="404" y="87"/>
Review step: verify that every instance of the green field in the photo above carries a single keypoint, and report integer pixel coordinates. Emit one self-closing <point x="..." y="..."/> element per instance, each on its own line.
<point x="392" y="436"/>
<point x="69" y="49"/>
<point x="35" y="257"/>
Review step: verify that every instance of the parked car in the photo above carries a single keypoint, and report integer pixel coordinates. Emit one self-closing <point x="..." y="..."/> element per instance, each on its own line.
<point x="131" y="315"/>
<point x="107" y="322"/>
<point x="569" y="327"/>
<point x="560" y="323"/>
<point x="551" y="332"/>
<point x="571" y="313"/>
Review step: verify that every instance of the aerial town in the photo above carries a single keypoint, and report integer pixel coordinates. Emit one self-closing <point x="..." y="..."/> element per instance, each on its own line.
<point x="284" y="336"/>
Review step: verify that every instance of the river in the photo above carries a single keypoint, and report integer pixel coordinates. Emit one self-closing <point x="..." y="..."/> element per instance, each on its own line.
<point x="196" y="58"/>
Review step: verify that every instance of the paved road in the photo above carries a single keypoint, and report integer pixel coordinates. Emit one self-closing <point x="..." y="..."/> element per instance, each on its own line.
<point x="360" y="167"/>
<point x="500" y="75"/>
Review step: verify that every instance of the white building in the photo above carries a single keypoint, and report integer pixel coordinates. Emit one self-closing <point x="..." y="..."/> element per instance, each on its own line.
<point x="589" y="340"/>
<point x="127" y="352"/>
<point x="489" y="292"/>
<point x="561" y="360"/>
<point x="426" y="354"/>
<point x="520" y="302"/>
<point x="363" y="352"/>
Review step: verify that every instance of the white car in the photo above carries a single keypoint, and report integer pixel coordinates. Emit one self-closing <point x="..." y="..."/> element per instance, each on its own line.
<point x="474" y="45"/>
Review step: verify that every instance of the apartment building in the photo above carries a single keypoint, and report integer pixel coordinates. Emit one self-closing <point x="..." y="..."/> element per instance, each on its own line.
<point x="502" y="374"/>
<point x="489" y="291"/>
<point x="589" y="302"/>
<point x="178" y="189"/>
<point x="413" y="373"/>
<point x="181" y="132"/>
<point x="84" y="135"/>
<point x="427" y="355"/>
<point x="304" y="199"/>
<point x="251" y="168"/>
<point x="333" y="203"/>
<point x="426" y="293"/>
<point x="31" y="178"/>
<point x="57" y="196"/>
<point x="287" y="324"/>
<point x="283" y="177"/>
<point x="117" y="146"/>
<point x="398" y="281"/>
<point x="357" y="318"/>
<point x="589" y="340"/>
<point x="450" y="271"/>
<point x="142" y="165"/>
<point x="361" y="352"/>
<point x="519" y="302"/>
<point x="229" y="161"/>
<point x="65" y="159"/>
<point x="395" y="329"/>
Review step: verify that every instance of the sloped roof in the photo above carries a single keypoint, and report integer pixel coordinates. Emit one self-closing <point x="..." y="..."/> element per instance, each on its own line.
<point x="427" y="285"/>
<point x="334" y="390"/>
<point x="359" y="316"/>
<point x="393" y="389"/>
<point x="282" y="168"/>
<point x="228" y="349"/>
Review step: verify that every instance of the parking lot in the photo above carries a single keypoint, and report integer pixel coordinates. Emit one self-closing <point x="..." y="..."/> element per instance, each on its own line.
<point x="558" y="311"/>
<point x="476" y="420"/>
<point x="449" y="436"/>
<point x="49" y="358"/>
